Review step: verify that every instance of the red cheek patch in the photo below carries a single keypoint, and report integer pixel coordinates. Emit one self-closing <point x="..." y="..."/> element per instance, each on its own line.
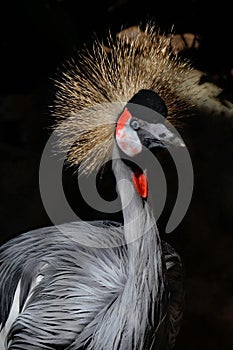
<point x="127" y="138"/>
<point x="122" y="121"/>
<point x="141" y="184"/>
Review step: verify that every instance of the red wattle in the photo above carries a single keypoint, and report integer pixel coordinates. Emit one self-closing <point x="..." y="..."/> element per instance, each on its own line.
<point x="141" y="184"/>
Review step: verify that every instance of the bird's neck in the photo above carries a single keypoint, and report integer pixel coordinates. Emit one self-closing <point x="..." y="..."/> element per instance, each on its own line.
<point x="140" y="229"/>
<point x="145" y="263"/>
<point x="136" y="210"/>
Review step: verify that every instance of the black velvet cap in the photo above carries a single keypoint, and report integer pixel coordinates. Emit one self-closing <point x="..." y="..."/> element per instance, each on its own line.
<point x="155" y="106"/>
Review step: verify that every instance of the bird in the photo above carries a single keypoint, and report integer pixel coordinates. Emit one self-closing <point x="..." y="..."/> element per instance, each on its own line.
<point x="104" y="285"/>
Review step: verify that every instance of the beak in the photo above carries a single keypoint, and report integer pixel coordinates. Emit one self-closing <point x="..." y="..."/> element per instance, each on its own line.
<point x="159" y="136"/>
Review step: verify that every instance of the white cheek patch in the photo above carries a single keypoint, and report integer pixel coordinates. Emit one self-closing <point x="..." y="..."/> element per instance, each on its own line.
<point x="127" y="138"/>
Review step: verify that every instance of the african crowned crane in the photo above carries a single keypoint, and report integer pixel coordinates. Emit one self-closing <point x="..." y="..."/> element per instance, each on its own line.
<point x="124" y="291"/>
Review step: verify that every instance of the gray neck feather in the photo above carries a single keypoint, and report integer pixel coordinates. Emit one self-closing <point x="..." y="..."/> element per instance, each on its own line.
<point x="144" y="287"/>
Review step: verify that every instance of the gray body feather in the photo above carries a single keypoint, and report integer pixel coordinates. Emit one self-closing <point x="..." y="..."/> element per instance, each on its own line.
<point x="79" y="287"/>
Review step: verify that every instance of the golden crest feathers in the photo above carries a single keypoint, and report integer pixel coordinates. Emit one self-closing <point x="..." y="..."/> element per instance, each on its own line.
<point x="92" y="91"/>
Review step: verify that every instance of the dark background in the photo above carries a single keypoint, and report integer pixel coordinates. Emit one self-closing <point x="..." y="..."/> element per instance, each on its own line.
<point x="35" y="38"/>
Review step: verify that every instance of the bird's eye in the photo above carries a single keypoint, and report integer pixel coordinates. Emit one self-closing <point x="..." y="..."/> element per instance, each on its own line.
<point x="135" y="124"/>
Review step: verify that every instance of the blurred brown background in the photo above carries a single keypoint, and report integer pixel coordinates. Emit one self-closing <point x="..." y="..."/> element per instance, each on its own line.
<point x="36" y="37"/>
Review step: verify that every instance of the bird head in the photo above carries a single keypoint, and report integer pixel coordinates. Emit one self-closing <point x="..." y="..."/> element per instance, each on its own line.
<point x="142" y="125"/>
<point x="121" y="95"/>
<point x="139" y="128"/>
